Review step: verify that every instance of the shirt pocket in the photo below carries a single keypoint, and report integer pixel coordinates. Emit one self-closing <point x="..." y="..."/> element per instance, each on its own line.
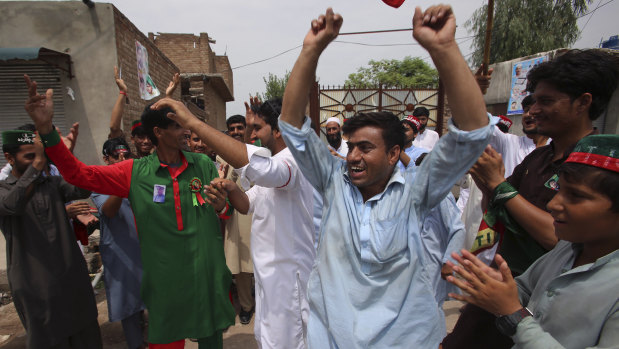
<point x="388" y="239"/>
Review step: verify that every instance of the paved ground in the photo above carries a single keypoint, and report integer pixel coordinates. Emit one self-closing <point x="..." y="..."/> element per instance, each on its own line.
<point x="12" y="335"/>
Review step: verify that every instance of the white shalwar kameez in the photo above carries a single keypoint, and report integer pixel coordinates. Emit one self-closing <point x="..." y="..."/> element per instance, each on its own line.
<point x="282" y="246"/>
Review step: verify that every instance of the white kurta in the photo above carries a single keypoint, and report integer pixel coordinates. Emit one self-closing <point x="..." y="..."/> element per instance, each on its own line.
<point x="282" y="246"/>
<point x="427" y="139"/>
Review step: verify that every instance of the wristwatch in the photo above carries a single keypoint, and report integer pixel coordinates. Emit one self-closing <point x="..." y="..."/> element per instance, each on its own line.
<point x="507" y="323"/>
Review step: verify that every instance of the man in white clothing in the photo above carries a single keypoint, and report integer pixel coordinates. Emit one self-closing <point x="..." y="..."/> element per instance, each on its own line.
<point x="426" y="138"/>
<point x="337" y="146"/>
<point x="282" y="232"/>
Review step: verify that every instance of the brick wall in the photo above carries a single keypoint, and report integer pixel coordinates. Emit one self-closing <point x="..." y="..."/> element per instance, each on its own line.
<point x="222" y="65"/>
<point x="161" y="68"/>
<point x="192" y="54"/>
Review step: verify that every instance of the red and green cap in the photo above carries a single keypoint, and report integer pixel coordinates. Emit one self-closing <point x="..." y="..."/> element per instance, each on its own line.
<point x="135" y="124"/>
<point x="17" y="137"/>
<point x="597" y="150"/>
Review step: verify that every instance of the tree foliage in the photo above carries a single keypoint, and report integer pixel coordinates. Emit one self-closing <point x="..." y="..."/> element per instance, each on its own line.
<point x="409" y="72"/>
<point x="274" y="85"/>
<point x="525" y="27"/>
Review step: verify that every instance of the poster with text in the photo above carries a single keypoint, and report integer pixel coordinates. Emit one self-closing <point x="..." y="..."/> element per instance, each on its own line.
<point x="519" y="83"/>
<point x="148" y="90"/>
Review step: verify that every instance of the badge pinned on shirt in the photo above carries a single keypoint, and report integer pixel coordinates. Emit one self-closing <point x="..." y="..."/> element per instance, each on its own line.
<point x="553" y="183"/>
<point x="195" y="185"/>
<point x="159" y="193"/>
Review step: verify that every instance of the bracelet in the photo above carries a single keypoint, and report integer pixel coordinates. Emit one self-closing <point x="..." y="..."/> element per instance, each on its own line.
<point x="224" y="210"/>
<point x="123" y="93"/>
<point x="503" y="193"/>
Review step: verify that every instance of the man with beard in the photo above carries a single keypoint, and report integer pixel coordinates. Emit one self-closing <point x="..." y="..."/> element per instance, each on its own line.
<point x="411" y="126"/>
<point x="334" y="137"/>
<point x="47" y="273"/>
<point x="426" y="138"/>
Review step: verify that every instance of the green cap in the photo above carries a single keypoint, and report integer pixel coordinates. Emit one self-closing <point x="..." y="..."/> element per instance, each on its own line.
<point x="17" y="137"/>
<point x="598" y="151"/>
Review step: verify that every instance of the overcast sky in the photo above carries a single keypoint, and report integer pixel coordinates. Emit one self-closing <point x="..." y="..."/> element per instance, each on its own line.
<point x="251" y="30"/>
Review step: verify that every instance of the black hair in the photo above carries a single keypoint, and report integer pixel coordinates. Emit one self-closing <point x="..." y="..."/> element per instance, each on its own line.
<point x="12" y="149"/>
<point x="527" y="101"/>
<point x="236" y="119"/>
<point x="421" y="111"/>
<point x="603" y="181"/>
<point x="504" y="128"/>
<point x="27" y="127"/>
<point x="138" y="131"/>
<point x="269" y="112"/>
<point x="420" y="159"/>
<point x="155" y="118"/>
<point x="577" y="72"/>
<point x="393" y="131"/>
<point x="411" y="124"/>
<point x="111" y="145"/>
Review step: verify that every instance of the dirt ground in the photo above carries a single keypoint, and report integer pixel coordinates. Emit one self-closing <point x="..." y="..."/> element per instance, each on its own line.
<point x="12" y="334"/>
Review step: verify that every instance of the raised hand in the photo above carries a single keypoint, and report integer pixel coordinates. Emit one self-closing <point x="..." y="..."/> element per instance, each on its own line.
<point x="488" y="172"/>
<point x="250" y="114"/>
<point x="323" y="30"/>
<point x="181" y="114"/>
<point x="435" y="28"/>
<point x="71" y="139"/>
<point x="483" y="80"/>
<point x="119" y="82"/>
<point x="223" y="171"/>
<point x="176" y="79"/>
<point x="39" y="107"/>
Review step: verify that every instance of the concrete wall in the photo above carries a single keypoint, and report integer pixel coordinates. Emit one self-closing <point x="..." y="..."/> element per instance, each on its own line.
<point x="88" y="36"/>
<point x="97" y="39"/>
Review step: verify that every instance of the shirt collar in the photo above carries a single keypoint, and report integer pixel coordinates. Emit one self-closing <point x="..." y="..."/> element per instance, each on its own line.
<point x="155" y="164"/>
<point x="396" y="177"/>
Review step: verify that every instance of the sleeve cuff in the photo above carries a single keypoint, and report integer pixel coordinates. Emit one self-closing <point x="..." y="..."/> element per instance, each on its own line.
<point x="50" y="139"/>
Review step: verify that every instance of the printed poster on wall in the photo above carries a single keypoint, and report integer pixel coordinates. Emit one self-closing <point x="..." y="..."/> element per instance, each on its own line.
<point x="519" y="83"/>
<point x="148" y="90"/>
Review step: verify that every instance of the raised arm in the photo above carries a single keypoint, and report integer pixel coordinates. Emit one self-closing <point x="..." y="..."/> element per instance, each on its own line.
<point x="119" y="106"/>
<point x="169" y="92"/>
<point x="114" y="179"/>
<point x="323" y="30"/>
<point x="231" y="150"/>
<point x="435" y="30"/>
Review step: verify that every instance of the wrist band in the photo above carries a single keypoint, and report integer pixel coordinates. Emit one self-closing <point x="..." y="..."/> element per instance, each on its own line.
<point x="503" y="193"/>
<point x="123" y="93"/>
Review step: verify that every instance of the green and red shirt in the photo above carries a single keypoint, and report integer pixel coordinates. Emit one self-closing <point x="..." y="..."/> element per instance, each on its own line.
<point x="185" y="280"/>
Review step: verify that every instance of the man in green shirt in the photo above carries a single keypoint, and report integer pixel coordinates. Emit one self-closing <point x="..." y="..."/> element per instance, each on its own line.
<point x="185" y="279"/>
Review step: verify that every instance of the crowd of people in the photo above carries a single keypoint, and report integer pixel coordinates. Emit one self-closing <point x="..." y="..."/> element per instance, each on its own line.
<point x="352" y="243"/>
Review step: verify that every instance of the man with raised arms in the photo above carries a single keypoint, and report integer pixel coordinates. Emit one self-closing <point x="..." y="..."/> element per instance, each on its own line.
<point x="369" y="286"/>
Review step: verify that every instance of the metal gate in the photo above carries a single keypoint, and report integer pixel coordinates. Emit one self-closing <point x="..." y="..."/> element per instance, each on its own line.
<point x="345" y="102"/>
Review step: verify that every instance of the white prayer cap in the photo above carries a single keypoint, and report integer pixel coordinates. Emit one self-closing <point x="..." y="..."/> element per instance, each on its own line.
<point x="334" y="119"/>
